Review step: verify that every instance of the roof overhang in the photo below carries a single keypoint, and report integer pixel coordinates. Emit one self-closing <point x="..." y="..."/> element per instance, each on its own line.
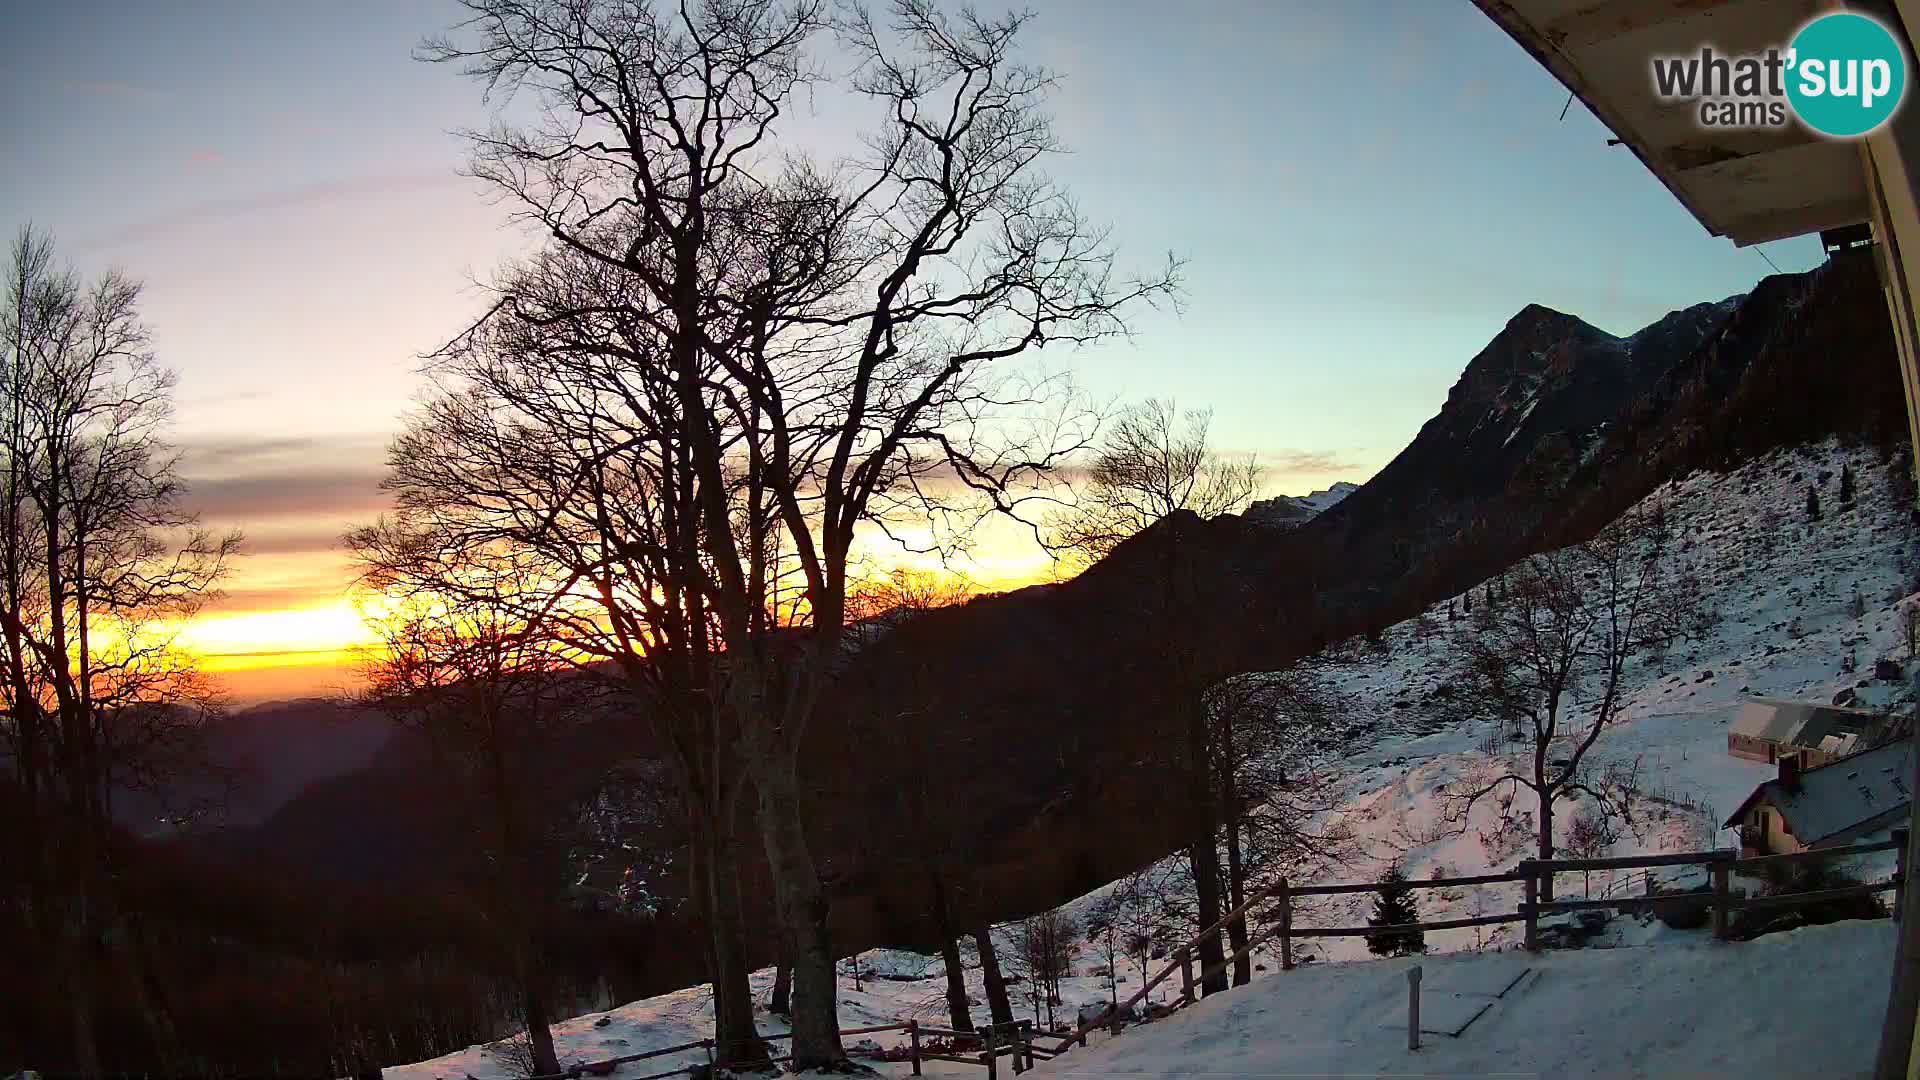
<point x="1748" y="186"/>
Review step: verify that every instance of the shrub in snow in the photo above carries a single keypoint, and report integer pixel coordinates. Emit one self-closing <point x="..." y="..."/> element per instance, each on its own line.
<point x="1688" y="910"/>
<point x="515" y="1054"/>
<point x="1805" y="878"/>
<point x="1394" y="907"/>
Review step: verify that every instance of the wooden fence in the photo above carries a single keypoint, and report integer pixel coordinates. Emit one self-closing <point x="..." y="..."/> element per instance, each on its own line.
<point x="1531" y="873"/>
<point x="1020" y="1043"/>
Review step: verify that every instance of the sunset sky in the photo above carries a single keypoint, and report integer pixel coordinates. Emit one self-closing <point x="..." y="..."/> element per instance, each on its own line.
<point x="1365" y="194"/>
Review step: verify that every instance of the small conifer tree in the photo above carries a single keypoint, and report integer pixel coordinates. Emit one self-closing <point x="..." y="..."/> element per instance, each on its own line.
<point x="1813" y="504"/>
<point x="1393" y="908"/>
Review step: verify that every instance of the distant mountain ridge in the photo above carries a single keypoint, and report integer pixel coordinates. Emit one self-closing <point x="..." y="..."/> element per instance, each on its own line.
<point x="1287" y="511"/>
<point x="260" y="758"/>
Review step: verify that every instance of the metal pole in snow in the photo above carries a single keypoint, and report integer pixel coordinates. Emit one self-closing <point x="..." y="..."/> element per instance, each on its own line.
<point x="1413" y="1007"/>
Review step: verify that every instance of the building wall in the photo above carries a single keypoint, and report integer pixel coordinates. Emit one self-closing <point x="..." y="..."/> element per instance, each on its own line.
<point x="1750" y="747"/>
<point x="1765" y="821"/>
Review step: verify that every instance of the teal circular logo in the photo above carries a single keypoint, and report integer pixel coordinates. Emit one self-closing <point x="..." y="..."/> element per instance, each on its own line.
<point x="1846" y="74"/>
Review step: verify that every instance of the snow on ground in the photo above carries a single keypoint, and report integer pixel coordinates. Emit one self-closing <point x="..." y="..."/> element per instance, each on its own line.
<point x="1807" y="1003"/>
<point x="1785" y="590"/>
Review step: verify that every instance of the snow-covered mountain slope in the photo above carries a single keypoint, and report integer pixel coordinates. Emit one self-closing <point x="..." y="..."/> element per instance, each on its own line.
<point x="1795" y="599"/>
<point x="1291" y="510"/>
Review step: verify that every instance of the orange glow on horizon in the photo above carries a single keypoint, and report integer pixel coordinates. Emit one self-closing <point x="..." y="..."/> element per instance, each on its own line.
<point x="313" y="646"/>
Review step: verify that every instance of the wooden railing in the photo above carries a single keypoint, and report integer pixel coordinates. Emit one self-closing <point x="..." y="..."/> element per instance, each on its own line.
<point x="1001" y="1040"/>
<point x="1531" y="873"/>
<point x="1018" y="1040"/>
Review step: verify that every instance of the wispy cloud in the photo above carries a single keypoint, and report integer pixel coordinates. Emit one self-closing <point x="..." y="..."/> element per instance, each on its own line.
<point x="1312" y="461"/>
<point x="317" y="489"/>
<point x="223" y="455"/>
<point x="292" y="495"/>
<point x="206" y="157"/>
<point x="217" y="210"/>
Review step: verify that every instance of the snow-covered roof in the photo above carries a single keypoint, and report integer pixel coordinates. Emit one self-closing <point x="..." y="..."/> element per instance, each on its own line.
<point x="1838" y="796"/>
<point x="1799" y="723"/>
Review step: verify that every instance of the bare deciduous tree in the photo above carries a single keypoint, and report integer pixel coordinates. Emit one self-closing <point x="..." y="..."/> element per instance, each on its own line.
<point x="1155" y="461"/>
<point x="1552" y="656"/>
<point x="1274" y="740"/>
<point x="488" y="691"/>
<point x="100" y="568"/>
<point x="934" y="840"/>
<point x="1043" y="950"/>
<point x="811" y="347"/>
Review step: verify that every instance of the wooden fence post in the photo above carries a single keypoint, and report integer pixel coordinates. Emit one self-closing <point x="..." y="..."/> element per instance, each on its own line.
<point x="987" y="1058"/>
<point x="913" y="1038"/>
<point x="1286" y="926"/>
<point x="1721" y="895"/>
<point x="1186" y="974"/>
<point x="1899" y="872"/>
<point x="1530" y="905"/>
<point x="1025" y="1048"/>
<point x="1413" y="1007"/>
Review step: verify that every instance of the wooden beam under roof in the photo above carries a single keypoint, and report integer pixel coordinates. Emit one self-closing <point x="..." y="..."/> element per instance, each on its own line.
<point x="1619" y="18"/>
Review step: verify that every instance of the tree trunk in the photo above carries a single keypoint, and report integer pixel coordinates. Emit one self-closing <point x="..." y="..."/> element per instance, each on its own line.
<point x="1202" y="850"/>
<point x="1237" y="895"/>
<point x="997" y="1000"/>
<point x="1546" y="846"/>
<point x="782" y="1003"/>
<point x="802" y="903"/>
<point x="534" y="1005"/>
<point x="736" y="1040"/>
<point x="958" y="1010"/>
<point x="1206" y="889"/>
<point x="1236" y="864"/>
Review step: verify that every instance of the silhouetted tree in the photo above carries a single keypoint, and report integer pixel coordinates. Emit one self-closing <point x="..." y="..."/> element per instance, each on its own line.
<point x="781" y="1002"/>
<point x="807" y="346"/>
<point x="937" y="842"/>
<point x="1393" y="907"/>
<point x="999" y="1005"/>
<point x="1153" y="462"/>
<point x="100" y="567"/>
<point x="1813" y="504"/>
<point x="487" y="689"/>
<point x="1846" y="485"/>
